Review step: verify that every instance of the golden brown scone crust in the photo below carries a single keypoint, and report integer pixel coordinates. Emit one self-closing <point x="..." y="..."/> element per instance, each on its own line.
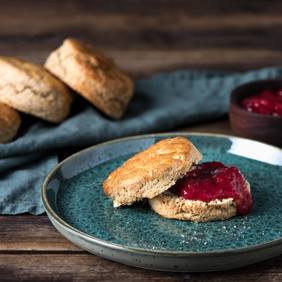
<point x="151" y="172"/>
<point x="29" y="88"/>
<point x="171" y="206"/>
<point x="9" y="123"/>
<point x="94" y="76"/>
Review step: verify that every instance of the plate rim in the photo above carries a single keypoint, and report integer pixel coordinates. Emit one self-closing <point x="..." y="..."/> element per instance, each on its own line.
<point x="90" y="238"/>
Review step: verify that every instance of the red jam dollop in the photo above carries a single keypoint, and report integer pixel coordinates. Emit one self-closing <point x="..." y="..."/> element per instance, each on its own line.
<point x="213" y="180"/>
<point x="267" y="102"/>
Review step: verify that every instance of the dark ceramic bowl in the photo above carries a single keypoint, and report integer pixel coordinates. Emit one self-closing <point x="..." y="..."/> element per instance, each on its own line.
<point x="252" y="125"/>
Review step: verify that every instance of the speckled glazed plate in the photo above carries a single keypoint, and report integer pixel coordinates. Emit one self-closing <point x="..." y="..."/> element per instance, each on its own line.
<point x="135" y="235"/>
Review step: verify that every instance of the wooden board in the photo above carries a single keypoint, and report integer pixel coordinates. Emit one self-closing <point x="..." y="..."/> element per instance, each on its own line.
<point x="85" y="267"/>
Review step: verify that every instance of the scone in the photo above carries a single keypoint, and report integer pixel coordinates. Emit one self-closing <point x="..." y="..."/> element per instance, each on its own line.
<point x="10" y="122"/>
<point x="209" y="191"/>
<point x="92" y="75"/>
<point x="167" y="174"/>
<point x="151" y="172"/>
<point x="29" y="88"/>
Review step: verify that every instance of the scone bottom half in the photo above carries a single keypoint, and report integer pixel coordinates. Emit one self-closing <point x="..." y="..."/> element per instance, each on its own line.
<point x="210" y="191"/>
<point x="152" y="171"/>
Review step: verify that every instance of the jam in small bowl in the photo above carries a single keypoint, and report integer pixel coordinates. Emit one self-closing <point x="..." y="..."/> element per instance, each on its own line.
<point x="266" y="102"/>
<point x="256" y="111"/>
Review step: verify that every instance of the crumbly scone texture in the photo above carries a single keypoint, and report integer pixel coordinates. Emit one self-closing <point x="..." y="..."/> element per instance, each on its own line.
<point x="10" y="122"/>
<point x="31" y="89"/>
<point x="151" y="172"/>
<point x="171" y="206"/>
<point x="92" y="75"/>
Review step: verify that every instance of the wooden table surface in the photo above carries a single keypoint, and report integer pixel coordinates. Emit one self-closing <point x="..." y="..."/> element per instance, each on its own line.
<point x="143" y="37"/>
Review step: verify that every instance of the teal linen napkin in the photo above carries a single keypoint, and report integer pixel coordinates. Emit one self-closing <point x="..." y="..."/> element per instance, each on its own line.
<point x="161" y="103"/>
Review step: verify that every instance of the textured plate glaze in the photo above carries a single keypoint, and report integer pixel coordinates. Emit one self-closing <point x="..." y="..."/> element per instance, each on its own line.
<point x="135" y="235"/>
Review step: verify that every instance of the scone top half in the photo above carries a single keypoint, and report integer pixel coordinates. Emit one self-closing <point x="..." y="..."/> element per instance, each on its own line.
<point x="151" y="172"/>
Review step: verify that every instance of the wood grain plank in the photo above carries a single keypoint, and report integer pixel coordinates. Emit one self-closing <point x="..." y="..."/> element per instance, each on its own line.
<point x="34" y="26"/>
<point x="222" y="126"/>
<point x="86" y="267"/>
<point x="160" y="33"/>
<point x="31" y="233"/>
<point x="143" y="7"/>
<point x="144" y="63"/>
<point x="135" y="26"/>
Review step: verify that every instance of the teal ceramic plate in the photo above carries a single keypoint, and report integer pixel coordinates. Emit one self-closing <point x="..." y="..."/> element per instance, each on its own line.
<point x="135" y="235"/>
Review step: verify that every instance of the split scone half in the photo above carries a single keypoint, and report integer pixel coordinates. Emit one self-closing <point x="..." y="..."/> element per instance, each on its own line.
<point x="167" y="175"/>
<point x="151" y="172"/>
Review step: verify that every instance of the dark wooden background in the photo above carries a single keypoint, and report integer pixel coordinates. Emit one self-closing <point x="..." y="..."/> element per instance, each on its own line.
<point x="143" y="37"/>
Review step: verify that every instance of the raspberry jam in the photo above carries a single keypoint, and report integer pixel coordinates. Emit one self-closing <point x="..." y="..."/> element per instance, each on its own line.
<point x="213" y="180"/>
<point x="267" y="102"/>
